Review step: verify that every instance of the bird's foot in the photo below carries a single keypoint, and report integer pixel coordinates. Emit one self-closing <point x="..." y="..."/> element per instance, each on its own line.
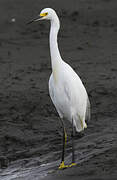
<point x="63" y="166"/>
<point x="72" y="164"/>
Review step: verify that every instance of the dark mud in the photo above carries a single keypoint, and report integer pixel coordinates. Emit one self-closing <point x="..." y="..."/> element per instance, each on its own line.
<point x="30" y="132"/>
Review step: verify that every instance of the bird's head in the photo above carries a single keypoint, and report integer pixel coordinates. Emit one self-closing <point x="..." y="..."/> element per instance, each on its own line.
<point x="45" y="14"/>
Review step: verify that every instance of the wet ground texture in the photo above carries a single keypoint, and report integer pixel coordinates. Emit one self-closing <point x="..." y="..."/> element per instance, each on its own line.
<point x="30" y="131"/>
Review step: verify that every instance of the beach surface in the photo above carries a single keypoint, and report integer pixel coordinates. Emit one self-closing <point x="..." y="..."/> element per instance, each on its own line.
<point x="30" y="129"/>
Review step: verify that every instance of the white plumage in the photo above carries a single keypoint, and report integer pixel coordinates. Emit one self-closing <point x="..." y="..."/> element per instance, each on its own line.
<point x="69" y="95"/>
<point x="66" y="89"/>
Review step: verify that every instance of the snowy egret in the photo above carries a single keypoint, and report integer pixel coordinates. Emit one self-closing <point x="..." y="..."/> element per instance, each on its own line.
<point x="66" y="89"/>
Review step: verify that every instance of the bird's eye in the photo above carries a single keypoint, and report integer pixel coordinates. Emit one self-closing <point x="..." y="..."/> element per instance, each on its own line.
<point x="46" y="14"/>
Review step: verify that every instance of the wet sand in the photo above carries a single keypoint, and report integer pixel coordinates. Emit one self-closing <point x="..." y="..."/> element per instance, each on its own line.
<point x="30" y="132"/>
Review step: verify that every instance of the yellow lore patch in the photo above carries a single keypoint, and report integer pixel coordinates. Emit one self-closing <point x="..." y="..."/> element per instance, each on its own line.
<point x="43" y="14"/>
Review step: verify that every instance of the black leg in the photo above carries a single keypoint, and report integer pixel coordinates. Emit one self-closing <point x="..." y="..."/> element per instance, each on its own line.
<point x="63" y="147"/>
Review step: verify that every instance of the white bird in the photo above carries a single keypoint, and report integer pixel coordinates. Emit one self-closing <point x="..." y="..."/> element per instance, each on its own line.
<point x="66" y="89"/>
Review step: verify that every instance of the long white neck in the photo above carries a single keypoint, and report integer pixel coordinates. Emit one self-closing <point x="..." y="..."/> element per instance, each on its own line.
<point x="54" y="50"/>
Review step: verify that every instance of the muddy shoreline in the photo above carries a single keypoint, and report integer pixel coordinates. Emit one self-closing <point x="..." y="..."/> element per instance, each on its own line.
<point x="30" y="132"/>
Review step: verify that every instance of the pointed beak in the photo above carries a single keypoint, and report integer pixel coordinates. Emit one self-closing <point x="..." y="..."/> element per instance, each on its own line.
<point x="38" y="18"/>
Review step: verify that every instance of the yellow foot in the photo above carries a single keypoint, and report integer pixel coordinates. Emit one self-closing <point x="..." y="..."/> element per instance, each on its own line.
<point x="62" y="165"/>
<point x="73" y="164"/>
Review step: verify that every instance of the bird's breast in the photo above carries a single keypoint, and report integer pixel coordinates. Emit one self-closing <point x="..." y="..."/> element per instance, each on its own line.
<point x="55" y="75"/>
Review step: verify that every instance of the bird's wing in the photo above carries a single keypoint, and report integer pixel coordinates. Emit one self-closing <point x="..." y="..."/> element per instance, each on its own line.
<point x="88" y="113"/>
<point x="67" y="91"/>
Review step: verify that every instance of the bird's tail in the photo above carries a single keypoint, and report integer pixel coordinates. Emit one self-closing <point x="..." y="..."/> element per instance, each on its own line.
<point x="79" y="123"/>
